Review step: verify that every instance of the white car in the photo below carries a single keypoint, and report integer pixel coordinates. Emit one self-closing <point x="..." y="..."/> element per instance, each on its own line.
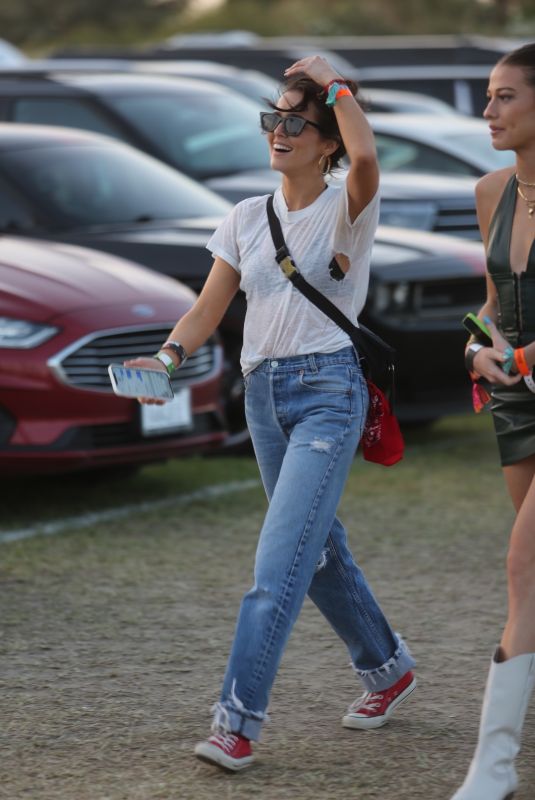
<point x="392" y="101"/>
<point x="253" y="84"/>
<point x="425" y="143"/>
<point x="248" y="82"/>
<point x="11" y="56"/>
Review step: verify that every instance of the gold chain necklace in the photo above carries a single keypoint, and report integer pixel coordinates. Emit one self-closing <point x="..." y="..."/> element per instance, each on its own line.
<point x="530" y="203"/>
<point x="525" y="183"/>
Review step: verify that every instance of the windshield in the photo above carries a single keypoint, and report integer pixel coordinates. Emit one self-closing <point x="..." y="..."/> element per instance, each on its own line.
<point x="90" y="185"/>
<point x="479" y="147"/>
<point x="258" y="89"/>
<point x="205" y="135"/>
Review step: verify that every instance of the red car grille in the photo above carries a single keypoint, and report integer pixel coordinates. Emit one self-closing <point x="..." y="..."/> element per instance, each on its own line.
<point x="121" y="435"/>
<point x="85" y="364"/>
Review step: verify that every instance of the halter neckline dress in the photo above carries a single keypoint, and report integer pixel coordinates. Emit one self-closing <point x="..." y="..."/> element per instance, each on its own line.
<point x="512" y="407"/>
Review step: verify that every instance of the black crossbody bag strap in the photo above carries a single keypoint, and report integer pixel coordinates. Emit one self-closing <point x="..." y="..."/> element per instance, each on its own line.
<point x="359" y="334"/>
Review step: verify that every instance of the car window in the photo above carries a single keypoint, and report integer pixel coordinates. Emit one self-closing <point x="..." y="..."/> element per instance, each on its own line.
<point x="398" y="154"/>
<point x="203" y="136"/>
<point x="479" y="145"/>
<point x="69" y="112"/>
<point x="14" y="213"/>
<point x="91" y="185"/>
<point x="378" y="106"/>
<point x="255" y="88"/>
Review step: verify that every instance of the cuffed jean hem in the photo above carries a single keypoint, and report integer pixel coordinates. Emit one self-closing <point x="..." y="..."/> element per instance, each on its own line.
<point x="389" y="673"/>
<point x="245" y="726"/>
<point x="231" y="716"/>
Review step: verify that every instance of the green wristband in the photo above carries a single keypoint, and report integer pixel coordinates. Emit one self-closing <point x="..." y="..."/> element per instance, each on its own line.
<point x="167" y="361"/>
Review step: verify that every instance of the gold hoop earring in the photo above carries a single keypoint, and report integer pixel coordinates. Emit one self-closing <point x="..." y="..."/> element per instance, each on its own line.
<point x="325" y="164"/>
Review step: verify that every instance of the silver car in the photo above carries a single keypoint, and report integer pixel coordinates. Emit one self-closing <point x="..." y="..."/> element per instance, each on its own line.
<point x="449" y="145"/>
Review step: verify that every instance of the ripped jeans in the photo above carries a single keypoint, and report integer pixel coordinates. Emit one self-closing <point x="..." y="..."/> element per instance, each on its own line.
<point x="305" y="415"/>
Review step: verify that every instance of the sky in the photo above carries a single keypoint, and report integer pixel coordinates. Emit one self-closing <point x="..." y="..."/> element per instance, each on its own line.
<point x="197" y="6"/>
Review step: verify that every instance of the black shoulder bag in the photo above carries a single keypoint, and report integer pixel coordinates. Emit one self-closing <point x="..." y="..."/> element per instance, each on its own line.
<point x="382" y="441"/>
<point x="377" y="357"/>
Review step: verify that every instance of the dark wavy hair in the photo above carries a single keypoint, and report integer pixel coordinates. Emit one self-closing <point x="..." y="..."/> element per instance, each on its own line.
<point x="524" y="58"/>
<point x="314" y="96"/>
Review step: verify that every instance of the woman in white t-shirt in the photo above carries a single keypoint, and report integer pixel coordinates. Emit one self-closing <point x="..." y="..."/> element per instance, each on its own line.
<point x="305" y="399"/>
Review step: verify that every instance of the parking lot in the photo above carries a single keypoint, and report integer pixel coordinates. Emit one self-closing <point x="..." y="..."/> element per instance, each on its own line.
<point x="114" y="635"/>
<point x="140" y="159"/>
<point x="121" y="572"/>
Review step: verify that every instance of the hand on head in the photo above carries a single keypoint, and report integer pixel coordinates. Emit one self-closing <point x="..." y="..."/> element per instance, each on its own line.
<point x="316" y="68"/>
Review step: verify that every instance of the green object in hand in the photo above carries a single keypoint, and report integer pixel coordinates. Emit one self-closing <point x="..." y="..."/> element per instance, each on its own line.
<point x="478" y="329"/>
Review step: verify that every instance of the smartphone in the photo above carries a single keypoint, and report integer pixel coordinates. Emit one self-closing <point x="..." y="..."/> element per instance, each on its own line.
<point x="478" y="328"/>
<point x="137" y="382"/>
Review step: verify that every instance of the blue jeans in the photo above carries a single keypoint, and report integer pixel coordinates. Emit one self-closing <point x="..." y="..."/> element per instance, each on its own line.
<point x="305" y="415"/>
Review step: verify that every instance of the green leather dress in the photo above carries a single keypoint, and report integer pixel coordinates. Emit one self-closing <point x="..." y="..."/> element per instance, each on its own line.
<point x="513" y="407"/>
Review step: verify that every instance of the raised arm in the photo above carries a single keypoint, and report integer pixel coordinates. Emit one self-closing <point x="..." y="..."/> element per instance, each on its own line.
<point x="363" y="176"/>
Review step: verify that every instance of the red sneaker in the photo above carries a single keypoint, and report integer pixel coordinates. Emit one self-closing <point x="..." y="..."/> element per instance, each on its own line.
<point x="228" y="750"/>
<point x="374" y="708"/>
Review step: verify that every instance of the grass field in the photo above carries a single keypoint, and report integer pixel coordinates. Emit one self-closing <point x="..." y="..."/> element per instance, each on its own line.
<point x="114" y="636"/>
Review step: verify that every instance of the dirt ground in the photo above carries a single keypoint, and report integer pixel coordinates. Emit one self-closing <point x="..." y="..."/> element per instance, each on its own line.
<point x="114" y="642"/>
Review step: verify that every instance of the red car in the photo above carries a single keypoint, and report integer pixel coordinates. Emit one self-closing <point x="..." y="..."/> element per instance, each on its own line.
<point x="66" y="312"/>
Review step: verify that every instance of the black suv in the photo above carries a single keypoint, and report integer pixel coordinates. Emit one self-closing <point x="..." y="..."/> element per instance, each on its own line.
<point x="211" y="134"/>
<point x="79" y="188"/>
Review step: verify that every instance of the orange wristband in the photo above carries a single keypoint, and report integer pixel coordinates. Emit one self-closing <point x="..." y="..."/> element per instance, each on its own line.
<point x="343" y="92"/>
<point x="520" y="361"/>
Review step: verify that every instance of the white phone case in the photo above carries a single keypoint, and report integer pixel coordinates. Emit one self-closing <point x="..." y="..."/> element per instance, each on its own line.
<point x="138" y="382"/>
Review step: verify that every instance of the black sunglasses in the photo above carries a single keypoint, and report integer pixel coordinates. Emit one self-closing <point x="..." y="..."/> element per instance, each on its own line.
<point x="292" y="125"/>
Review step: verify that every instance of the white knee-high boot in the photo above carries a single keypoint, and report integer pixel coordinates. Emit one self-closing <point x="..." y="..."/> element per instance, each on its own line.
<point x="492" y="774"/>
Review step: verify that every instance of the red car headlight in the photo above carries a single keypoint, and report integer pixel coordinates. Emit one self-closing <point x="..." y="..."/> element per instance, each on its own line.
<point x="23" y="334"/>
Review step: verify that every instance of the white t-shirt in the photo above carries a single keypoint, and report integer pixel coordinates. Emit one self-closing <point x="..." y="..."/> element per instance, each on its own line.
<point x="280" y="321"/>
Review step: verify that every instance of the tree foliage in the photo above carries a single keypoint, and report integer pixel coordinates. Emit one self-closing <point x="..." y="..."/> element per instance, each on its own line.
<point x="37" y="24"/>
<point x="34" y="22"/>
<point x="372" y="17"/>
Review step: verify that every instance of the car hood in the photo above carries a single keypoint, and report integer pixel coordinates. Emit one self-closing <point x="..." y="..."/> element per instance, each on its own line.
<point x="195" y="232"/>
<point x="245" y="184"/>
<point x="393" y="186"/>
<point x="400" y="253"/>
<point x="170" y="247"/>
<point x="41" y="280"/>
<point x="418" y="186"/>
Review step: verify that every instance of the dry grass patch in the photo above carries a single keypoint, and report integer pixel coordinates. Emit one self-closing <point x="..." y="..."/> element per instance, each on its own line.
<point x="114" y="639"/>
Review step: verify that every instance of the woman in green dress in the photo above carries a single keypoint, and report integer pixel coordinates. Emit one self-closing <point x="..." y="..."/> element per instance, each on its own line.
<point x="506" y="212"/>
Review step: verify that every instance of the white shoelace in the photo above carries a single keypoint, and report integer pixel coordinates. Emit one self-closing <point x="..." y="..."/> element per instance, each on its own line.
<point x="368" y="701"/>
<point x="227" y="741"/>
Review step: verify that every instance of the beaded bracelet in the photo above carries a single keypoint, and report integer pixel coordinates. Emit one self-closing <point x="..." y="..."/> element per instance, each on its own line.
<point x="328" y="85"/>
